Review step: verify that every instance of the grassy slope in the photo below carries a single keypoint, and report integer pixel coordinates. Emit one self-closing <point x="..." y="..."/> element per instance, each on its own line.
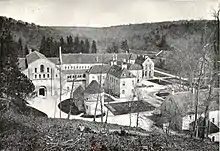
<point x="20" y="132"/>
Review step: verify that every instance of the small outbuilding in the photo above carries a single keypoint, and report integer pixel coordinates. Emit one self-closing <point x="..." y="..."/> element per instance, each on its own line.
<point x="94" y="94"/>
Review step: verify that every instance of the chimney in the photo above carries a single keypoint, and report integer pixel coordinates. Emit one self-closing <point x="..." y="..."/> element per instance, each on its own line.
<point x="124" y="65"/>
<point x="193" y="90"/>
<point x="29" y="50"/>
<point x="172" y="91"/>
<point x="113" y="56"/>
<point x="60" y="55"/>
<point x="111" y="63"/>
<point x="115" y="62"/>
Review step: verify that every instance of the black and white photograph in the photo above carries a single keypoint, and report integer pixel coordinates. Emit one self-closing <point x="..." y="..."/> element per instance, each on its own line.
<point x="109" y="75"/>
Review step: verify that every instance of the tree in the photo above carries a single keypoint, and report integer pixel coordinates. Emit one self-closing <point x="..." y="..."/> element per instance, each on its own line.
<point x="76" y="44"/>
<point x="43" y="45"/>
<point x="81" y="47"/>
<point x="93" y="48"/>
<point x="113" y="48"/>
<point x="70" y="41"/>
<point x="26" y="50"/>
<point x="124" y="45"/>
<point x="20" y="46"/>
<point x="14" y="83"/>
<point x="193" y="61"/>
<point x="87" y="46"/>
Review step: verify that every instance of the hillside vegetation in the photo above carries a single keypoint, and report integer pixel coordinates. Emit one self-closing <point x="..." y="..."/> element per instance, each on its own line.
<point x="33" y="131"/>
<point x="146" y="36"/>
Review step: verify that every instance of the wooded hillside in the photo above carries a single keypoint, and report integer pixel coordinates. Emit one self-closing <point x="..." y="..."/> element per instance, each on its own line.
<point x="146" y="36"/>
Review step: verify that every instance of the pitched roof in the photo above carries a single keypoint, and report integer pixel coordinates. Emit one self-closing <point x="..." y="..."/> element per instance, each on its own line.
<point x="82" y="71"/>
<point x="94" y="58"/>
<point x="21" y="64"/>
<point x="96" y="69"/>
<point x="33" y="56"/>
<point x="212" y="127"/>
<point x="93" y="88"/>
<point x="55" y="60"/>
<point x="117" y="71"/>
<point x="185" y="101"/>
<point x="78" y="93"/>
<point x="134" y="67"/>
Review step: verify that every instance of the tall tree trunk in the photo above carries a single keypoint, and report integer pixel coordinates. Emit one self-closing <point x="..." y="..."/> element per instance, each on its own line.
<point x="195" y="128"/>
<point x="96" y="106"/>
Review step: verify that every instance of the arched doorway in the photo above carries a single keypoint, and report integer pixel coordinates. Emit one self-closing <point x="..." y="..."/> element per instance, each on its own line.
<point x="42" y="91"/>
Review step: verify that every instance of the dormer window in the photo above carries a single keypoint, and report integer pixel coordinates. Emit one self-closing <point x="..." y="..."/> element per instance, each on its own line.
<point x="213" y="120"/>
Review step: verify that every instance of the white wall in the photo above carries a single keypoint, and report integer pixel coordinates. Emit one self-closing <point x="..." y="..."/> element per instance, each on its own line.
<point x="91" y="77"/>
<point x="127" y="85"/>
<point x="49" y="78"/>
<point x="137" y="73"/>
<point x="213" y="115"/>
<point x="90" y="103"/>
<point x="113" y="83"/>
<point x="215" y="136"/>
<point x="148" y="68"/>
<point x="78" y="66"/>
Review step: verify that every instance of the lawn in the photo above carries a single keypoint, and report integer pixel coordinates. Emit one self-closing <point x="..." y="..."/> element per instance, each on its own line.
<point x="129" y="107"/>
<point x="65" y="107"/>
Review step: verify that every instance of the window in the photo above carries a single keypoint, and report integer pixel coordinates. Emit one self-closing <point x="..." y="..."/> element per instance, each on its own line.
<point x="43" y="75"/>
<point x="213" y="138"/>
<point x="123" y="91"/>
<point x="41" y="68"/>
<point x="132" y="82"/>
<point x="213" y="120"/>
<point x="190" y="117"/>
<point x="123" y="83"/>
<point x="48" y="69"/>
<point x="35" y="70"/>
<point x="35" y="76"/>
<point x="48" y="75"/>
<point x="93" y="77"/>
<point x="56" y="75"/>
<point x="39" y="76"/>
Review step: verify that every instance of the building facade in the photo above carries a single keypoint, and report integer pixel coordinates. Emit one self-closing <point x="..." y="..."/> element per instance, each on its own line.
<point x="43" y="73"/>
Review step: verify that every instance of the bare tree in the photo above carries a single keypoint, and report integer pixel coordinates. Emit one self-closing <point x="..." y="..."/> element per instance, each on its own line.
<point x="138" y="95"/>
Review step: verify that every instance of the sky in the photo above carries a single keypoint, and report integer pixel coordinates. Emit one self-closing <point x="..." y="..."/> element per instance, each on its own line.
<point x="103" y="13"/>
